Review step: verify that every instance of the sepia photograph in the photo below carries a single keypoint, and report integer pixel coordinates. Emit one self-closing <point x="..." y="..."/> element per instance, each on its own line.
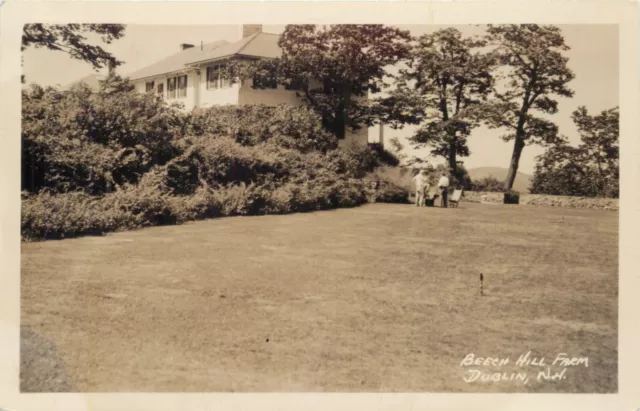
<point x="360" y="208"/>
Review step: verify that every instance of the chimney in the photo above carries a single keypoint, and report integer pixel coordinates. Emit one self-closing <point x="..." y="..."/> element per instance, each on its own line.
<point x="251" y="29"/>
<point x="185" y="46"/>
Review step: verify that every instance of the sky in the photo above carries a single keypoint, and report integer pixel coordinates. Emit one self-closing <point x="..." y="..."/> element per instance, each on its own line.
<point x="593" y="57"/>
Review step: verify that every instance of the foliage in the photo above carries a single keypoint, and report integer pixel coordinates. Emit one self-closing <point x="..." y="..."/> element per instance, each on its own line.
<point x="64" y="215"/>
<point x="458" y="179"/>
<point x="386" y="157"/>
<point x="71" y="39"/>
<point x="387" y="190"/>
<point x="335" y="68"/>
<point x="356" y="161"/>
<point x="589" y="170"/>
<point x="450" y="76"/>
<point x="295" y="127"/>
<point x="488" y="184"/>
<point x="537" y="71"/>
<point x="461" y="178"/>
<point x="94" y="142"/>
<point x="117" y="160"/>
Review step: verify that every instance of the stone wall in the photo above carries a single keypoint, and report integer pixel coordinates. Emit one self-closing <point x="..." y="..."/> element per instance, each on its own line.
<point x="544" y="200"/>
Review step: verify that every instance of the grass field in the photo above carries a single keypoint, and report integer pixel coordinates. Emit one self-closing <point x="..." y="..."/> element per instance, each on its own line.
<point x="377" y="298"/>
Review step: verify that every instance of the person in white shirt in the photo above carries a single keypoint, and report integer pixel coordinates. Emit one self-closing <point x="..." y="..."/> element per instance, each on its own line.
<point x="443" y="185"/>
<point x="421" y="182"/>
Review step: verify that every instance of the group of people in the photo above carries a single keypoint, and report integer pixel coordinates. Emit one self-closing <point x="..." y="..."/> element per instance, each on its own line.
<point x="423" y="183"/>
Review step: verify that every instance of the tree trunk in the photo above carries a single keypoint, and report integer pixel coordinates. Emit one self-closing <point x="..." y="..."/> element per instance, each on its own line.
<point x="345" y="103"/>
<point x="519" y="140"/>
<point x="452" y="156"/>
<point x="515" y="161"/>
<point x="339" y="124"/>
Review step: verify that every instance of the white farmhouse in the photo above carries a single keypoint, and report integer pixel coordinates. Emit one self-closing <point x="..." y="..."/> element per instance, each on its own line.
<point x="192" y="77"/>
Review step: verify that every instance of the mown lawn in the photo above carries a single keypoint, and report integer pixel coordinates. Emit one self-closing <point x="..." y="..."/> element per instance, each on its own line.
<point x="376" y="298"/>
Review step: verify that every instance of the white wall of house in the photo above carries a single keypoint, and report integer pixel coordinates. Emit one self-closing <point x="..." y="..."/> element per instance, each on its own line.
<point x="215" y="96"/>
<point x="189" y="102"/>
<point x="198" y="95"/>
<point x="269" y="97"/>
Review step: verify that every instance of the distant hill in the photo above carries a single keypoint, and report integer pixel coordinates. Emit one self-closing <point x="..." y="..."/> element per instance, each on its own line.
<point x="520" y="184"/>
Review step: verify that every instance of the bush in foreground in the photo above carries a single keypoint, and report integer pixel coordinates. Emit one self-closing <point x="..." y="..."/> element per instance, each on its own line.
<point x="46" y="216"/>
<point x="117" y="160"/>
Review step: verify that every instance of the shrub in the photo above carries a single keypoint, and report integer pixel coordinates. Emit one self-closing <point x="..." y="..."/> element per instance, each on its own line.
<point x="461" y="179"/>
<point x="590" y="169"/>
<point x="348" y="193"/>
<point x="145" y="205"/>
<point x="79" y="140"/>
<point x="488" y="184"/>
<point x="64" y="215"/>
<point x="388" y="185"/>
<point x="292" y="127"/>
<point x="241" y="199"/>
<point x="391" y="193"/>
<point x="47" y="216"/>
<point x="199" y="205"/>
<point x="356" y="161"/>
<point x="117" y="160"/>
<point x="221" y="161"/>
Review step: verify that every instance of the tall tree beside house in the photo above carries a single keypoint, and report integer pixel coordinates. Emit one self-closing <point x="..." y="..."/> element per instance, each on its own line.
<point x="590" y="169"/>
<point x="452" y="78"/>
<point x="71" y="39"/>
<point x="335" y="68"/>
<point x="537" y="70"/>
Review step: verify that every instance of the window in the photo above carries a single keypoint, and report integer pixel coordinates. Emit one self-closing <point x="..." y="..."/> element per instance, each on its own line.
<point x="297" y="84"/>
<point x="149" y="86"/>
<point x="225" y="82"/>
<point x="182" y="86"/>
<point x="171" y="87"/>
<point x="216" y="79"/>
<point x="212" y="77"/>
<point x="160" y="89"/>
<point x="177" y="87"/>
<point x="261" y="83"/>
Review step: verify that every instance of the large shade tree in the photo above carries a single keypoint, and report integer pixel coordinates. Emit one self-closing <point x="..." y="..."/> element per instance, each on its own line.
<point x="72" y="39"/>
<point x="450" y="76"/>
<point x="537" y="71"/>
<point x="335" y="70"/>
<point x="592" y="168"/>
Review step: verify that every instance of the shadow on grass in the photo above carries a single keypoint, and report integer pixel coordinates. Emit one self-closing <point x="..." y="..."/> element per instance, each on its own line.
<point x="41" y="367"/>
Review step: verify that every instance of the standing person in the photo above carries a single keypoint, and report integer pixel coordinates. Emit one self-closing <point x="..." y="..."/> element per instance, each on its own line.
<point x="422" y="187"/>
<point x="443" y="185"/>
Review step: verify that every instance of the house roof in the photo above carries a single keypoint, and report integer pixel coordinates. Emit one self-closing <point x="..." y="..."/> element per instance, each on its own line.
<point x="177" y="61"/>
<point x="257" y="45"/>
<point x="92" y="81"/>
